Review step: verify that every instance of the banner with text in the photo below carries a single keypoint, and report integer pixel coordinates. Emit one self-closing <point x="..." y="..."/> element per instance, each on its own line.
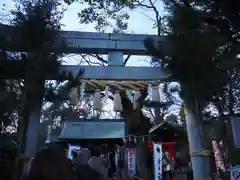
<point x="157" y="159"/>
<point x="131" y="161"/>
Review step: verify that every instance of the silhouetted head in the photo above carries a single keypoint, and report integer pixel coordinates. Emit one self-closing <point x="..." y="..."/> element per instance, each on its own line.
<point x="85" y="172"/>
<point x="50" y="164"/>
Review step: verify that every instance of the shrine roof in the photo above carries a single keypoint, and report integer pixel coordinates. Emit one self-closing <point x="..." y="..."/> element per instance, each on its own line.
<point x="168" y="132"/>
<point x="93" y="129"/>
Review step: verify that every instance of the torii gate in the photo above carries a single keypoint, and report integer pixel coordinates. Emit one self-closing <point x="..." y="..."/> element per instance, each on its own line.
<point x="115" y="45"/>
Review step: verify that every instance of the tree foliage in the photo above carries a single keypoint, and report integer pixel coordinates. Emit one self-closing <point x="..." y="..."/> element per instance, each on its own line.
<point x="37" y="30"/>
<point x="104" y="14"/>
<point x="114" y="15"/>
<point x="203" y="57"/>
<point x="197" y="55"/>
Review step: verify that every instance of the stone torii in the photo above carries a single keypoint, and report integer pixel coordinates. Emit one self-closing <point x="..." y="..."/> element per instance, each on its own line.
<point x="115" y="45"/>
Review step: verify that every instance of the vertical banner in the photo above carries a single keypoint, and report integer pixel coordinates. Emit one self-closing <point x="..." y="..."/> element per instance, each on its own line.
<point x="131" y="161"/>
<point x="157" y="159"/>
<point x="218" y="158"/>
<point x="235" y="122"/>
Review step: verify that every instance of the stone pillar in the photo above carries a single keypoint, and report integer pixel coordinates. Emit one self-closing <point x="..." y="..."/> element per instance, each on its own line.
<point x="200" y="163"/>
<point x="32" y="133"/>
<point x="32" y="136"/>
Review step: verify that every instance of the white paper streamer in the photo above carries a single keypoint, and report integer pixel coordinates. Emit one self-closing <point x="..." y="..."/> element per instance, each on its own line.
<point x="106" y="94"/>
<point x="82" y="90"/>
<point x="136" y="97"/>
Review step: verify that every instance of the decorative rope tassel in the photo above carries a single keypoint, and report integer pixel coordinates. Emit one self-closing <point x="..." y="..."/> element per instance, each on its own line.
<point x="149" y="91"/>
<point x="136" y="97"/>
<point x="97" y="104"/>
<point x="117" y="102"/>
<point x="106" y="94"/>
<point x="74" y="96"/>
<point x="155" y="94"/>
<point x="82" y="90"/>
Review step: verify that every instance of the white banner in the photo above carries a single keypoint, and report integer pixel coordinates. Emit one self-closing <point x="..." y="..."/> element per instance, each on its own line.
<point x="70" y="149"/>
<point x="157" y="159"/>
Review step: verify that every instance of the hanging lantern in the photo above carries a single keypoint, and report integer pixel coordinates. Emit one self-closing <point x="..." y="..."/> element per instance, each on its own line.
<point x="117" y="102"/>
<point x="136" y="97"/>
<point x="155" y="94"/>
<point x="97" y="104"/>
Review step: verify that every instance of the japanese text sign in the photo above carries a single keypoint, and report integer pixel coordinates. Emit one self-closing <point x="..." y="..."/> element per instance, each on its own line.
<point x="131" y="161"/>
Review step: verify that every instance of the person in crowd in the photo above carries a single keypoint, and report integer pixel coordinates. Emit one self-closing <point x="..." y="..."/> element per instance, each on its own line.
<point x="190" y="171"/>
<point x="82" y="157"/>
<point x="81" y="169"/>
<point x="85" y="172"/>
<point x="50" y="163"/>
<point x="112" y="166"/>
<point x="7" y="158"/>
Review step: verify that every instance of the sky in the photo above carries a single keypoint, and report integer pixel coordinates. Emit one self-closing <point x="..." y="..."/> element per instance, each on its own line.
<point x="140" y="22"/>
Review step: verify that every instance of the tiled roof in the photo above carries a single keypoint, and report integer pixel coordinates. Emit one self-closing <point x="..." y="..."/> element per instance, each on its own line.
<point x="93" y="129"/>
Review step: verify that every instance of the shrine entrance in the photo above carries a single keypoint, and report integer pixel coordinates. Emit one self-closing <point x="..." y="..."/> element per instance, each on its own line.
<point x="174" y="145"/>
<point x="115" y="75"/>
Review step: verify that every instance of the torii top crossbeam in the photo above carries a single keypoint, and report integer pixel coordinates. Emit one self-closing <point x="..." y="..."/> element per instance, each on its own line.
<point x="115" y="45"/>
<point x="100" y="43"/>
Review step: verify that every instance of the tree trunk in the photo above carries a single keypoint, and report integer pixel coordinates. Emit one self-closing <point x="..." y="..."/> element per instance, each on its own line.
<point x="200" y="163"/>
<point x="137" y="124"/>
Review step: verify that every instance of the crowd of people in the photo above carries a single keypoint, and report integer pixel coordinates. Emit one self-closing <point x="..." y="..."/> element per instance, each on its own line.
<point x="52" y="163"/>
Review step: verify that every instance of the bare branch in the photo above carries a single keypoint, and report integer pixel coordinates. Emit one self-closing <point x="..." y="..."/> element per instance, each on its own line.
<point x="126" y="60"/>
<point x="89" y="62"/>
<point x="99" y="58"/>
<point x="138" y="3"/>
